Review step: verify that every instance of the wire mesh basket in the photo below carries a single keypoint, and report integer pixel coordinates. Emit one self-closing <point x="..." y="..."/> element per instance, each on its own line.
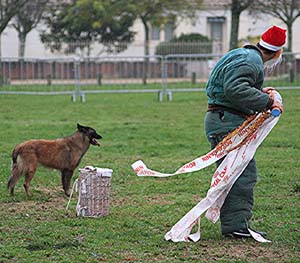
<point x="94" y="191"/>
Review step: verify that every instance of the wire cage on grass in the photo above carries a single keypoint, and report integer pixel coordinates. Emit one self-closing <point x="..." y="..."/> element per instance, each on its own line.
<point x="94" y="191"/>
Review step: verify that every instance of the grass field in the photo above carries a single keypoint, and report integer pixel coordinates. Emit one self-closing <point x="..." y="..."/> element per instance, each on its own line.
<point x="165" y="135"/>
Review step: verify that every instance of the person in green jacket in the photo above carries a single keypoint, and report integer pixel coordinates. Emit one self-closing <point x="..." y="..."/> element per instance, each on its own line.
<point x="235" y="91"/>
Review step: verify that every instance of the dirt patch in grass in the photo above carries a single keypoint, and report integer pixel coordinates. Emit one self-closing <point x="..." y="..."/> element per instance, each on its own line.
<point x="227" y="251"/>
<point x="150" y="200"/>
<point x="253" y="252"/>
<point x="44" y="201"/>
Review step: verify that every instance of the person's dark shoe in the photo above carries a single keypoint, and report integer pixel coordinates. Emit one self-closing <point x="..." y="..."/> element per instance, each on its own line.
<point x="243" y="233"/>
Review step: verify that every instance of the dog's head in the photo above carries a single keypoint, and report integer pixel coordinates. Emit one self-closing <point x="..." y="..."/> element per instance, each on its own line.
<point x="90" y="133"/>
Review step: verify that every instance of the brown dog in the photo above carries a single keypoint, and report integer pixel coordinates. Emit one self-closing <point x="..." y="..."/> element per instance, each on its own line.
<point x="62" y="154"/>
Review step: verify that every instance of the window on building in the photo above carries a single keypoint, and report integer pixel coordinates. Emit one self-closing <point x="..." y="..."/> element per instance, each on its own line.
<point x="169" y="31"/>
<point x="155" y="33"/>
<point x="216" y="25"/>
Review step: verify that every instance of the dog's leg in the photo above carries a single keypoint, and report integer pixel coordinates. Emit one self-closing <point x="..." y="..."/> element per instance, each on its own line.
<point x="66" y="176"/>
<point x="15" y="176"/>
<point x="28" y="177"/>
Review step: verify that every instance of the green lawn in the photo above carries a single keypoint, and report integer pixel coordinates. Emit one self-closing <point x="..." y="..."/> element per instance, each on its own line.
<point x="165" y="135"/>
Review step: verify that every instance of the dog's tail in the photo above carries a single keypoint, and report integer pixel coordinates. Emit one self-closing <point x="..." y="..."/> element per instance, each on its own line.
<point x="16" y="170"/>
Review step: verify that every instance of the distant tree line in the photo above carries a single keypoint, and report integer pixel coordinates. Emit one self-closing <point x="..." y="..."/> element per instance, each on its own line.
<point x="109" y="22"/>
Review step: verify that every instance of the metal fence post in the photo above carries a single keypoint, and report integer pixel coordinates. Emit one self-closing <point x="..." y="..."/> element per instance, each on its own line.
<point x="77" y="78"/>
<point x="169" y="95"/>
<point x="82" y="97"/>
<point x="160" y="96"/>
<point x="163" y="77"/>
<point x="193" y="78"/>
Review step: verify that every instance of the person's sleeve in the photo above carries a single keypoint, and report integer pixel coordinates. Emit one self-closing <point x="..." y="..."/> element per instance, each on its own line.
<point x="239" y="89"/>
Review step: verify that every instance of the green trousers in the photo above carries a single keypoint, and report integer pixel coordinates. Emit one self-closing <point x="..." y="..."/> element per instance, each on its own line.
<point x="237" y="208"/>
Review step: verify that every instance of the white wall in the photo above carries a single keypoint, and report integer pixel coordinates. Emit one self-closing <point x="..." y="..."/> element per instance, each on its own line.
<point x="249" y="25"/>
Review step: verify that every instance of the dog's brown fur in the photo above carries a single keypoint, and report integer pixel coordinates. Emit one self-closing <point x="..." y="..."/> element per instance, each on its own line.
<point x="62" y="154"/>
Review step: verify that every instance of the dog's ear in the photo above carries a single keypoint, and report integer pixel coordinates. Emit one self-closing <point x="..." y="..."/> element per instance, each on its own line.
<point x="80" y="127"/>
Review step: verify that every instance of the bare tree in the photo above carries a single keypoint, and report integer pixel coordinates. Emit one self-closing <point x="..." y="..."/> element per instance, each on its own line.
<point x="8" y="9"/>
<point x="26" y="19"/>
<point x="285" y="10"/>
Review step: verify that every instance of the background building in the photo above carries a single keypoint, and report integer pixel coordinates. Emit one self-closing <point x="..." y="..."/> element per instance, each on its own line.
<point x="214" y="21"/>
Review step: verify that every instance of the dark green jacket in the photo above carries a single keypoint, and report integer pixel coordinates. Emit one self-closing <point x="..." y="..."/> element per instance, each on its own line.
<point x="236" y="81"/>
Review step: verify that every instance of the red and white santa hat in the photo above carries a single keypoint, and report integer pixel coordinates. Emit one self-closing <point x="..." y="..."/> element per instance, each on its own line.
<point x="273" y="39"/>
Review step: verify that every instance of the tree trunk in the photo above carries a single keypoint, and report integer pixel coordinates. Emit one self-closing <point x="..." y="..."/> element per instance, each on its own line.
<point x="1" y="77"/>
<point x="0" y="46"/>
<point x="22" y="40"/>
<point x="234" y="34"/>
<point x="291" y="58"/>
<point x="289" y="35"/>
<point x="146" y="52"/>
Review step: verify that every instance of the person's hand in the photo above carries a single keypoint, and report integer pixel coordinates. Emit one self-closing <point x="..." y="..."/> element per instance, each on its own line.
<point x="268" y="90"/>
<point x="277" y="103"/>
